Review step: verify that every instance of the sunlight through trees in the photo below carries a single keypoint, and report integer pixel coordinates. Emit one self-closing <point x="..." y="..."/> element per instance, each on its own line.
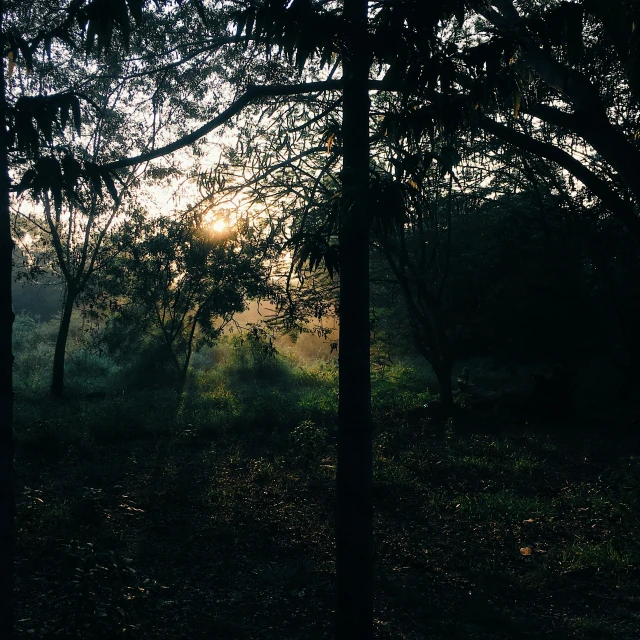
<point x="447" y="187"/>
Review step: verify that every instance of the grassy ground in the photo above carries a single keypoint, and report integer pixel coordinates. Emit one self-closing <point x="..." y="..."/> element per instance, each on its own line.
<point x="142" y="516"/>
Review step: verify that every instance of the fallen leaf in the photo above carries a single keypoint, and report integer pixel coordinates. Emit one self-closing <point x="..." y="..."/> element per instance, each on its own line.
<point x="526" y="551"/>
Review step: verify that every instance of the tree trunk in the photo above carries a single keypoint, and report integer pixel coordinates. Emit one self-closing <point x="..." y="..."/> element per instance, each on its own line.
<point x="7" y="504"/>
<point x="57" y="382"/>
<point x="354" y="516"/>
<point x="187" y="359"/>
<point x="444" y="371"/>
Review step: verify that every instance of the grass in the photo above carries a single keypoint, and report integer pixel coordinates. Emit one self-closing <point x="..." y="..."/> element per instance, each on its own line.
<point x="145" y="515"/>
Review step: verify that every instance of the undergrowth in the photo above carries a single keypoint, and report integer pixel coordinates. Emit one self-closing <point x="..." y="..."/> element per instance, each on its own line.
<point x="154" y="514"/>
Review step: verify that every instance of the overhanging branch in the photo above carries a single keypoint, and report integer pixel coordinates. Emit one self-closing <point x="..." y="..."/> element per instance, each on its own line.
<point x="252" y="94"/>
<point x="599" y="187"/>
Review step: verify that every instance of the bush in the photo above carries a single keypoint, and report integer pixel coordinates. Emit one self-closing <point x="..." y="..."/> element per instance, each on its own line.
<point x="33" y="345"/>
<point x="308" y="439"/>
<point x="254" y="357"/>
<point x="401" y="387"/>
<point x="208" y="403"/>
<point x="89" y="372"/>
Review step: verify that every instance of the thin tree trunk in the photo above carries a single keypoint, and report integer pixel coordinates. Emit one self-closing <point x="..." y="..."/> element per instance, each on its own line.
<point x="187" y="359"/>
<point x="7" y="504"/>
<point x="354" y="517"/>
<point x="444" y="371"/>
<point x="57" y="381"/>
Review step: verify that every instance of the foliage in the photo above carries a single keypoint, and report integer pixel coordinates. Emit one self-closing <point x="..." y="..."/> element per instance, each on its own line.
<point x="38" y="113"/>
<point x="34" y="347"/>
<point x="456" y="504"/>
<point x="556" y="80"/>
<point x="183" y="282"/>
<point x="254" y="351"/>
<point x="308" y="439"/>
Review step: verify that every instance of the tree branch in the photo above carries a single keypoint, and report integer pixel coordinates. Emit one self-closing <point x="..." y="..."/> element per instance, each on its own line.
<point x="252" y="94"/>
<point x="598" y="132"/>
<point x="599" y="187"/>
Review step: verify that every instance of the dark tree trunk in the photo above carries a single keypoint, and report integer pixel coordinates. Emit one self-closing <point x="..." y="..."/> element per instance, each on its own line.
<point x="57" y="381"/>
<point x="354" y="517"/>
<point x="187" y="359"/>
<point x="444" y="371"/>
<point x="7" y="504"/>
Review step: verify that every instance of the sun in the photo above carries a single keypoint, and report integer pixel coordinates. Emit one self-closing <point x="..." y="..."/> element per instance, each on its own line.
<point x="219" y="225"/>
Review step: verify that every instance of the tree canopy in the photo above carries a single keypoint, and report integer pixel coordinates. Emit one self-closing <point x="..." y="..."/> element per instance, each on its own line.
<point x="350" y="126"/>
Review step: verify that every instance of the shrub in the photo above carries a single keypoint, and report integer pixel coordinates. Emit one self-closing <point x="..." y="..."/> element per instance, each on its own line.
<point x="308" y="439"/>
<point x="33" y="343"/>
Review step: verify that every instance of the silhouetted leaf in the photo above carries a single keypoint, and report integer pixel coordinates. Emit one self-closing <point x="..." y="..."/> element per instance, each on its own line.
<point x="50" y="179"/>
<point x="27" y="180"/>
<point x="516" y="103"/>
<point x="72" y="172"/>
<point x="75" y="108"/>
<point x="94" y="175"/>
<point x="111" y="187"/>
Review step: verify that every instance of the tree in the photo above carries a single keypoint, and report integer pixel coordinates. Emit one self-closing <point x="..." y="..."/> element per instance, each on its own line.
<point x="421" y="246"/>
<point x="568" y="73"/>
<point x="27" y="127"/>
<point x="354" y="515"/>
<point x="7" y="504"/>
<point x="183" y="282"/>
<point x="72" y="241"/>
<point x="70" y="203"/>
<point x="308" y="32"/>
<point x="308" y="35"/>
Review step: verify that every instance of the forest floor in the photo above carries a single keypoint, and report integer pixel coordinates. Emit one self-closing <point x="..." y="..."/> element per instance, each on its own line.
<point x="143" y="517"/>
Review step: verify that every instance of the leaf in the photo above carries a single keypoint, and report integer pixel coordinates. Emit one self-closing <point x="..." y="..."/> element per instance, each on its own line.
<point x="516" y="103"/>
<point x="12" y="63"/>
<point x="27" y="180"/>
<point x="91" y="36"/>
<point x="239" y="25"/>
<point x="449" y="158"/>
<point x="330" y="139"/>
<point x="201" y="12"/>
<point x="332" y="260"/>
<point x="75" y="109"/>
<point x="64" y="115"/>
<point x="135" y="8"/>
<point x="72" y="170"/>
<point x="572" y="17"/>
<point x="111" y="187"/>
<point x="526" y="551"/>
<point x="120" y="16"/>
<point x="50" y="179"/>
<point x="93" y="173"/>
